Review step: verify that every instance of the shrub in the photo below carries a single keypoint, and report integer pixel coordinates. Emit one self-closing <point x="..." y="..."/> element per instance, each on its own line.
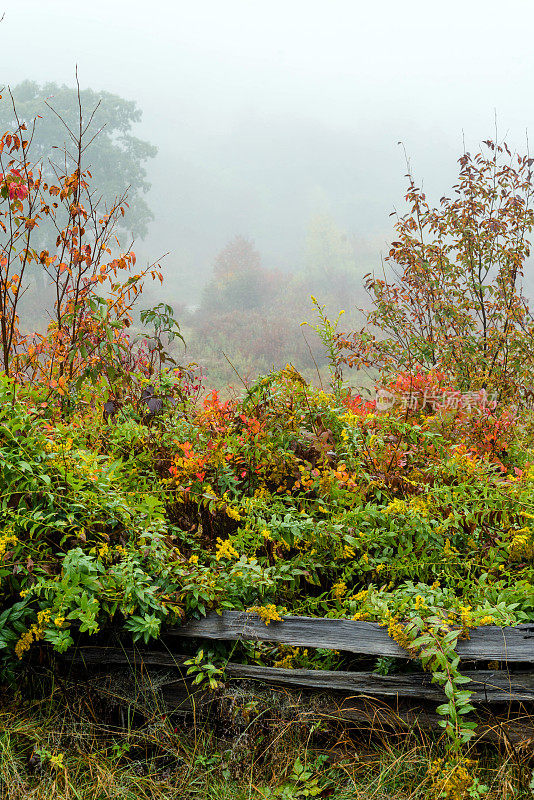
<point x="454" y="300"/>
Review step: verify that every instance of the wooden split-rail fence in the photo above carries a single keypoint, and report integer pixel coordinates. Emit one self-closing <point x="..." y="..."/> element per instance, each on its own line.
<point x="489" y="643"/>
<point x="360" y="693"/>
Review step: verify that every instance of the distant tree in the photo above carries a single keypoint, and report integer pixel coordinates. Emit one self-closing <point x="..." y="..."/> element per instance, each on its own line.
<point x="330" y="269"/>
<point x="329" y="250"/>
<point x="116" y="157"/>
<point x="239" y="281"/>
<point x="237" y="258"/>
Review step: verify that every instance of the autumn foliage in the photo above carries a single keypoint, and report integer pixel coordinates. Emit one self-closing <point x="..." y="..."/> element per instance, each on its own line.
<point x="94" y="285"/>
<point x="289" y="498"/>
<point x="452" y="298"/>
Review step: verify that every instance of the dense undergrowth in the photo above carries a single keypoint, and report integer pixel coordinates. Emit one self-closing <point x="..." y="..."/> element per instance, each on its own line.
<point x="289" y="500"/>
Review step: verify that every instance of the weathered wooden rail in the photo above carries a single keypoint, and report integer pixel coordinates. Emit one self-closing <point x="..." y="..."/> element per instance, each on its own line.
<point x="367" y="700"/>
<point x="489" y="643"/>
<point x="508" y="646"/>
<point x="488" y="686"/>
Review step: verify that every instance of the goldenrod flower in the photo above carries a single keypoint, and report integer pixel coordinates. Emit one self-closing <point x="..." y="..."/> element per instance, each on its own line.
<point x="268" y="613"/>
<point x="339" y="590"/>
<point x="225" y="549"/>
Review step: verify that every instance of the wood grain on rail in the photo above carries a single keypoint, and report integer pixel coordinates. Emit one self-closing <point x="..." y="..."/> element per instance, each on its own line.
<point x="488" y="686"/>
<point x="488" y="643"/>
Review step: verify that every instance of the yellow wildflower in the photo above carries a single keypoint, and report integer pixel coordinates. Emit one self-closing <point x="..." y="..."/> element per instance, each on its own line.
<point x="397" y="632"/>
<point x="35" y="633"/>
<point x="395" y="507"/>
<point x="24" y="643"/>
<point x="522" y="545"/>
<point x="225" y="549"/>
<point x="268" y="613"/>
<point x="286" y="662"/>
<point x="465" y="617"/>
<point x="232" y="513"/>
<point x="4" y="541"/>
<point x="450" y="781"/>
<point x="419" y="507"/>
<point x="448" y="550"/>
<point x="104" y="550"/>
<point x="339" y="590"/>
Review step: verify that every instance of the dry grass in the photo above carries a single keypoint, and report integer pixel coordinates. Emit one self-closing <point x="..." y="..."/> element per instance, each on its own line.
<point x="72" y="748"/>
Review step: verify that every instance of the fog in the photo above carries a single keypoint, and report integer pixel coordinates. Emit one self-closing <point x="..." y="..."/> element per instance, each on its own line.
<point x="266" y="114"/>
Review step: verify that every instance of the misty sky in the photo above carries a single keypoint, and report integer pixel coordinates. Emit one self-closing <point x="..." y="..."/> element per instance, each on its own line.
<point x="266" y="113"/>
